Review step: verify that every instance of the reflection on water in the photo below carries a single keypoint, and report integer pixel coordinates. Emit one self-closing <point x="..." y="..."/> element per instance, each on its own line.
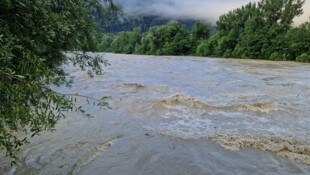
<point x="182" y="115"/>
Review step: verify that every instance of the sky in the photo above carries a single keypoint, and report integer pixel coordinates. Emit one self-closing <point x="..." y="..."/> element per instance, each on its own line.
<point x="206" y="10"/>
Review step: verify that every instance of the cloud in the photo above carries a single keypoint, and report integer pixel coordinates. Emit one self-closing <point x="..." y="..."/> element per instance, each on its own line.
<point x="206" y="10"/>
<point x="304" y="17"/>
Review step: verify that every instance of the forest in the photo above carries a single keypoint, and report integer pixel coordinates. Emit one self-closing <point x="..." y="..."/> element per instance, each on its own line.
<point x="262" y="30"/>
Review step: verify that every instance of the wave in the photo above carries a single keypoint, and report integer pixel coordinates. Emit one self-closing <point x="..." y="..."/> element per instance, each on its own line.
<point x="193" y="104"/>
<point x="284" y="147"/>
<point x="234" y="129"/>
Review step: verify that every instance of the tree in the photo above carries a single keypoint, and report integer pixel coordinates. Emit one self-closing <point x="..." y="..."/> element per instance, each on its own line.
<point x="172" y="39"/>
<point x="126" y="42"/>
<point x="200" y="32"/>
<point x="208" y="47"/>
<point x="293" y="44"/>
<point x="277" y="17"/>
<point x="231" y="26"/>
<point x="252" y="31"/>
<point x="33" y="37"/>
<point x="105" y="41"/>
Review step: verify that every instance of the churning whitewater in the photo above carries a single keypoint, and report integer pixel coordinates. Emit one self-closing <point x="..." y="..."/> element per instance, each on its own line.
<point x="181" y="115"/>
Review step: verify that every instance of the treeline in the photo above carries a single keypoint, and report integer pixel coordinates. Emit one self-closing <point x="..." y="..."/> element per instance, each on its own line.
<point x="120" y="23"/>
<point x="171" y="39"/>
<point x="260" y="30"/>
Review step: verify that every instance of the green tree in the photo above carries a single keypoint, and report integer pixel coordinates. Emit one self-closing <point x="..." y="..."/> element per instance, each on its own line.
<point x="126" y="42"/>
<point x="252" y="31"/>
<point x="105" y="41"/>
<point x="277" y="16"/>
<point x="231" y="26"/>
<point x="33" y="37"/>
<point x="120" y="43"/>
<point x="293" y="44"/>
<point x="172" y="39"/>
<point x="200" y="32"/>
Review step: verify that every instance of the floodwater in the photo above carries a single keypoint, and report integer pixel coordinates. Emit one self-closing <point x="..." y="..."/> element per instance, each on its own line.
<point x="181" y="115"/>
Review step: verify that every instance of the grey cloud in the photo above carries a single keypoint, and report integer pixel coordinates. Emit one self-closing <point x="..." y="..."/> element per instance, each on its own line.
<point x="207" y="10"/>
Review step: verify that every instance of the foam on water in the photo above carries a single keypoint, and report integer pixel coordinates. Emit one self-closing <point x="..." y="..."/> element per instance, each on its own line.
<point x="192" y="103"/>
<point x="284" y="147"/>
<point x="231" y="125"/>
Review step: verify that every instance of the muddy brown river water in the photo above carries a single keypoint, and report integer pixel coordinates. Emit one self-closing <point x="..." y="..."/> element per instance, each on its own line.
<point x="181" y="115"/>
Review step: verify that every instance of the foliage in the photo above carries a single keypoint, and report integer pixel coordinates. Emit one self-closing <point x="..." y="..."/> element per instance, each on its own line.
<point x="104" y="42"/>
<point x="261" y="30"/>
<point x="200" y="32"/>
<point x="172" y="39"/>
<point x="275" y="56"/>
<point x="33" y="37"/>
<point x="294" y="43"/>
<point x="207" y="47"/>
<point x="165" y="40"/>
<point x="304" y="58"/>
<point x="125" y="42"/>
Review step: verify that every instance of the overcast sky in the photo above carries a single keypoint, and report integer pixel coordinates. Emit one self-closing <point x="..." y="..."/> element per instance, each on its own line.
<point x="208" y="10"/>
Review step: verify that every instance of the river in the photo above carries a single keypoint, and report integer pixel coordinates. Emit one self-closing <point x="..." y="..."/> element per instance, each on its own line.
<point x="180" y="115"/>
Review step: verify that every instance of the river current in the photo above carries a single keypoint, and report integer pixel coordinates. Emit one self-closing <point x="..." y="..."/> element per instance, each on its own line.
<point x="180" y="115"/>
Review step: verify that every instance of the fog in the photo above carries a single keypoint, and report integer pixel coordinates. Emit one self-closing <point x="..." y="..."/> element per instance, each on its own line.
<point x="206" y="10"/>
